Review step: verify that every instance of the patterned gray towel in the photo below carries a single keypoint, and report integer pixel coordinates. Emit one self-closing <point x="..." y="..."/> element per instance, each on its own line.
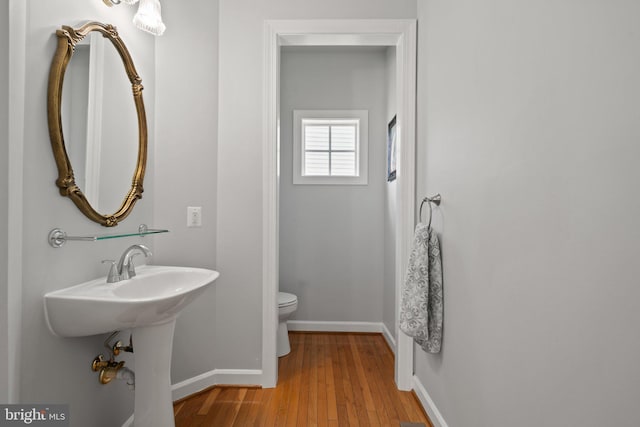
<point x="421" y="311"/>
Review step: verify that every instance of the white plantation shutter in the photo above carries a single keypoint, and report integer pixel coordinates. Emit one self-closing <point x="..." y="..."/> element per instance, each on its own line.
<point x="316" y="149"/>
<point x="330" y="147"/>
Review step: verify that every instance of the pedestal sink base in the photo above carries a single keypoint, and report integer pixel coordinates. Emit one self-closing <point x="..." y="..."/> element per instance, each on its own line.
<point x="152" y="346"/>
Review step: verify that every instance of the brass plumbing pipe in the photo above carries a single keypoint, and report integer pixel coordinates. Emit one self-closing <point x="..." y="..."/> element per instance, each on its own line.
<point x="108" y="369"/>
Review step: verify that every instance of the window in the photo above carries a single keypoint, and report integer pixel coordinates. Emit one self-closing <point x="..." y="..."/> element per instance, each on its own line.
<point x="330" y="147"/>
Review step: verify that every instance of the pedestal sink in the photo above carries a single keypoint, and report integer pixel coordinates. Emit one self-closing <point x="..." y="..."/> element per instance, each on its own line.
<point x="149" y="304"/>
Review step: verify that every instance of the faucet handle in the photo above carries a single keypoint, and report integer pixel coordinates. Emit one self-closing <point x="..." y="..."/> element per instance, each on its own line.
<point x="113" y="275"/>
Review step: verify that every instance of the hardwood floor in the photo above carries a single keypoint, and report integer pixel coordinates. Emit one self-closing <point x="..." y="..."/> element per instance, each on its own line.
<point x="327" y="380"/>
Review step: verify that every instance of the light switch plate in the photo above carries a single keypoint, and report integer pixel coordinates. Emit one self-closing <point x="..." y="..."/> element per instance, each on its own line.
<point x="194" y="216"/>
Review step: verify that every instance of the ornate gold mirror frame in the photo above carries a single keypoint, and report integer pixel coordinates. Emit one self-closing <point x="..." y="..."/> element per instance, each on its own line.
<point x="68" y="37"/>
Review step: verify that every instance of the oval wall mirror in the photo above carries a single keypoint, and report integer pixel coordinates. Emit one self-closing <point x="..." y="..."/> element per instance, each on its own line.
<point x="100" y="166"/>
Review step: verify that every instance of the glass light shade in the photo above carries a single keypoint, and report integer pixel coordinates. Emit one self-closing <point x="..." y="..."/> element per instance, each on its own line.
<point x="149" y="17"/>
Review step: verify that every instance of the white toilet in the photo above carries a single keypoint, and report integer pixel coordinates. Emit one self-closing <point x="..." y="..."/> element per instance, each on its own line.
<point x="287" y="305"/>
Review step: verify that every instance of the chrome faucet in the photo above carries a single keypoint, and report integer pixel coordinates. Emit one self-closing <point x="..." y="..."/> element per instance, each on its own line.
<point x="126" y="268"/>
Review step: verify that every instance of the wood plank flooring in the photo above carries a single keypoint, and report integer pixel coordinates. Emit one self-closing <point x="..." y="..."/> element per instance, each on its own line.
<point x="328" y="380"/>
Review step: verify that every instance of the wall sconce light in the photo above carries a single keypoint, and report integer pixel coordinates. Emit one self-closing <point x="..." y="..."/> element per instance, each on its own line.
<point x="148" y="18"/>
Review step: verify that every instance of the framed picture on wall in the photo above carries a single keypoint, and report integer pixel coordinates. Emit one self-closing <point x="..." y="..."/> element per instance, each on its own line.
<point x="391" y="150"/>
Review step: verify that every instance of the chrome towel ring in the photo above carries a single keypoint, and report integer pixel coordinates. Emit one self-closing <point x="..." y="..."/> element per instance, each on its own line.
<point x="436" y="200"/>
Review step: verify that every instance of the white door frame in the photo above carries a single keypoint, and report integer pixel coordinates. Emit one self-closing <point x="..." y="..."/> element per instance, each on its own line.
<point x="11" y="318"/>
<point x="400" y="33"/>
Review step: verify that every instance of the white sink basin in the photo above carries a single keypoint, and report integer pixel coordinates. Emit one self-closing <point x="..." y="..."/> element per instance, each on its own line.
<point x="154" y="296"/>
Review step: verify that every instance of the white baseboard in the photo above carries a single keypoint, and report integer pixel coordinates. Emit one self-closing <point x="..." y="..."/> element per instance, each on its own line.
<point x="428" y="404"/>
<point x="389" y="338"/>
<point x="327" y="326"/>
<point x="217" y="376"/>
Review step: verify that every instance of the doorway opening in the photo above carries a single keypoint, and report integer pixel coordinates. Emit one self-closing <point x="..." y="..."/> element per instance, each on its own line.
<point x="401" y="35"/>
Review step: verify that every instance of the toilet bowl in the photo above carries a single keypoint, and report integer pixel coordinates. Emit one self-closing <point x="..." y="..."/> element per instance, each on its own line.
<point x="287" y="304"/>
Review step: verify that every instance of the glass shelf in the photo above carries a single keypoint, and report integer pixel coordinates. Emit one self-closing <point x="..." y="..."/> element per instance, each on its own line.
<point x="57" y="237"/>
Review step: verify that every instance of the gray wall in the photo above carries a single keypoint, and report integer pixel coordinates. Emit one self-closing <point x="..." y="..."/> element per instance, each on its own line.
<point x="529" y="127"/>
<point x="185" y="166"/>
<point x="239" y="238"/>
<point x="4" y="205"/>
<point x="389" y="288"/>
<point x="56" y="370"/>
<point x="331" y="236"/>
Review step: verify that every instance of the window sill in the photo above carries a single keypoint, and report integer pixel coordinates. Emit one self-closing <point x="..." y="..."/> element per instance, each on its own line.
<point x="329" y="180"/>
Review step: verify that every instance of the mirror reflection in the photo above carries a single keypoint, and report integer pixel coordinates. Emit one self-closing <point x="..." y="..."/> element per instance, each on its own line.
<point x="99" y="123"/>
<point x="95" y="119"/>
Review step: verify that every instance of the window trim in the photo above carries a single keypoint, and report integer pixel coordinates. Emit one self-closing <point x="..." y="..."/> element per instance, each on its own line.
<point x="362" y="150"/>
